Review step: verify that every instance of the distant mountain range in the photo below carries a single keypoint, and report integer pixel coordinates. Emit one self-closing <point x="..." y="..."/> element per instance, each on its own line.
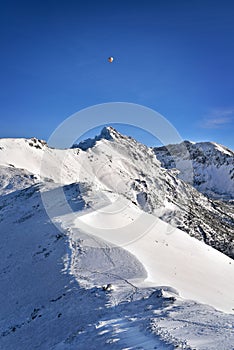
<point x="213" y="166"/>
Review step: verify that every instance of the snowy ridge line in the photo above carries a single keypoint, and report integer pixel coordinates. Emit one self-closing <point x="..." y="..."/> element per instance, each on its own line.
<point x="166" y="286"/>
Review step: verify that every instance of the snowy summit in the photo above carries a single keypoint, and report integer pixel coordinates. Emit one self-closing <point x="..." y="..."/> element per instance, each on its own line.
<point x="109" y="245"/>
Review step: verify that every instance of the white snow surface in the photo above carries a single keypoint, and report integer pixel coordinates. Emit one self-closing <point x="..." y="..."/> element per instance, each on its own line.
<point x="213" y="166"/>
<point x="170" y="256"/>
<point x="169" y="290"/>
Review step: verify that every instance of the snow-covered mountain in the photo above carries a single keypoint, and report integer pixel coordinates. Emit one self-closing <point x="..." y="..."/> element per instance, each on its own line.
<point x="120" y="164"/>
<point x="213" y="166"/>
<point x="118" y="228"/>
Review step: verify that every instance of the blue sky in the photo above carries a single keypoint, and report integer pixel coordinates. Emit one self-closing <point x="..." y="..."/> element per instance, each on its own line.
<point x="176" y="57"/>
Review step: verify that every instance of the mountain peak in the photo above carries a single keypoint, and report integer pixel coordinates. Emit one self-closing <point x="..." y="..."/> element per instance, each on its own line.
<point x="107" y="133"/>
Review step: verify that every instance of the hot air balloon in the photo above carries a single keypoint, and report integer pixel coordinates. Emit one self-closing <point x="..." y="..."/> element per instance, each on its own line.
<point x="110" y="59"/>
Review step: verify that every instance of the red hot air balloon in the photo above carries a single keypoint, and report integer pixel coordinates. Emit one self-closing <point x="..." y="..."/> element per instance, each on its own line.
<point x="110" y="59"/>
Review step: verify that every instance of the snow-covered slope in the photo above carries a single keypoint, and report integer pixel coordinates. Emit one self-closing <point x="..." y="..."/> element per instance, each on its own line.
<point x="170" y="256"/>
<point x="51" y="280"/>
<point x="213" y="166"/>
<point x="120" y="164"/>
<point x="115" y="230"/>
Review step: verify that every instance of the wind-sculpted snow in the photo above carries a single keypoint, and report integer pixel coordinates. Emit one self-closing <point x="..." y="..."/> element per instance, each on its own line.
<point x="52" y="283"/>
<point x="108" y="270"/>
<point x="12" y="178"/>
<point x="122" y="165"/>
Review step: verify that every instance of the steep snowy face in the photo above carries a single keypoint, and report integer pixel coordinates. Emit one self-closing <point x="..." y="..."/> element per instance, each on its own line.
<point x="213" y="166"/>
<point x="119" y="164"/>
<point x="33" y="156"/>
<point x="122" y="165"/>
<point x="53" y="279"/>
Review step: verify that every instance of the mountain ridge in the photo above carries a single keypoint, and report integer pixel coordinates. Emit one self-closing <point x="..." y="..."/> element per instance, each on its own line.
<point x="123" y="165"/>
<point x="96" y="251"/>
<point x="213" y="166"/>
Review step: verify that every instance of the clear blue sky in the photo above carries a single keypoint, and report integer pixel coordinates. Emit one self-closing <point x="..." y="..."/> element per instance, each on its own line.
<point x="176" y="57"/>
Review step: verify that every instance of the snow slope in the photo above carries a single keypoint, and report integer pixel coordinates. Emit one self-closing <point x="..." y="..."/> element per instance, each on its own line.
<point x="213" y="166"/>
<point x="51" y="280"/>
<point x="120" y="164"/>
<point x="169" y="256"/>
<point x="168" y="291"/>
